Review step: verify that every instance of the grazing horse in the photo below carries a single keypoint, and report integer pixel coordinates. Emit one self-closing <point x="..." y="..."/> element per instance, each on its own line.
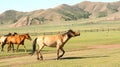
<point x="57" y="41"/>
<point x="16" y="39"/>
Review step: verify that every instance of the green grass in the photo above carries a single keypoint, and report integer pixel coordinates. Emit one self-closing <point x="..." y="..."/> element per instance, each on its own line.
<point x="85" y="40"/>
<point x="86" y="58"/>
<point x="62" y="26"/>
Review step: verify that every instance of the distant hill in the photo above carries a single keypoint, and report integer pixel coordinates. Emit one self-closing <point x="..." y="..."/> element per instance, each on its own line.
<point x="10" y="16"/>
<point x="99" y="9"/>
<point x="25" y="21"/>
<point x="63" y="12"/>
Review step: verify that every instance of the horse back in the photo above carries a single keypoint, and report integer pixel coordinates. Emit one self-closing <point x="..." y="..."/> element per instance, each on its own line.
<point x="14" y="39"/>
<point x="51" y="41"/>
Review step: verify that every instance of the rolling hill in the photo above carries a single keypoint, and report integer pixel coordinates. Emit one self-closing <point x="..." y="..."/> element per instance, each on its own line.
<point x="99" y="9"/>
<point x="63" y="12"/>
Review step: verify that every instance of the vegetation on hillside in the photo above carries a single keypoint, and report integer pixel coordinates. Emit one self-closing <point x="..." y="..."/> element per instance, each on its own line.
<point x="64" y="12"/>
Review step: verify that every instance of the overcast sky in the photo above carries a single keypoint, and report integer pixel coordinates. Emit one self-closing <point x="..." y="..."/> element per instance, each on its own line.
<point x="30" y="5"/>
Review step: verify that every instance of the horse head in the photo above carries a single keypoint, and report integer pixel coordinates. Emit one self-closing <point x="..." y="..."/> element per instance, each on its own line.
<point x="72" y="33"/>
<point x="28" y="36"/>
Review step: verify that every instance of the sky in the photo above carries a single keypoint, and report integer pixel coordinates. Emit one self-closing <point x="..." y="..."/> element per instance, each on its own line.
<point x="31" y="5"/>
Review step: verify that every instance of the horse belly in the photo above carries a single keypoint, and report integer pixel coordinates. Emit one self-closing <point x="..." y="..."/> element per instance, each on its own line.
<point x="51" y="44"/>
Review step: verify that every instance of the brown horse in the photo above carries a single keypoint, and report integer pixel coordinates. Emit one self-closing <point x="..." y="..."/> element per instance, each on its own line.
<point x="16" y="39"/>
<point x="57" y="41"/>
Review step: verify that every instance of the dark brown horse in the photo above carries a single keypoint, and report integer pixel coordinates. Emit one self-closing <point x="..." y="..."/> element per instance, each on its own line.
<point x="57" y="41"/>
<point x="16" y="39"/>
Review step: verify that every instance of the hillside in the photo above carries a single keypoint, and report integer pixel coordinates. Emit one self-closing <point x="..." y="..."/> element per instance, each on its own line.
<point x="99" y="9"/>
<point x="63" y="12"/>
<point x="10" y="16"/>
<point x="25" y="21"/>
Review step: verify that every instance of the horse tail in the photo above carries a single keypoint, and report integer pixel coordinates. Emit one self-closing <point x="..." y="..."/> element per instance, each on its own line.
<point x="3" y="43"/>
<point x="34" y="46"/>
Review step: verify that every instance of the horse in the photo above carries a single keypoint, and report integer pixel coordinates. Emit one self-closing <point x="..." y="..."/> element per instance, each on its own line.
<point x="16" y="39"/>
<point x="2" y="39"/>
<point x="9" y="47"/>
<point x="57" y="41"/>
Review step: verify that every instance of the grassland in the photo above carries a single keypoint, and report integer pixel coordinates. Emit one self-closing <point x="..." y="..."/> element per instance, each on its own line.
<point x="82" y="42"/>
<point x="84" y="58"/>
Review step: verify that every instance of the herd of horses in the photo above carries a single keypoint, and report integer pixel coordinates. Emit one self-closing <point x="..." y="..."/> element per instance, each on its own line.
<point x="57" y="41"/>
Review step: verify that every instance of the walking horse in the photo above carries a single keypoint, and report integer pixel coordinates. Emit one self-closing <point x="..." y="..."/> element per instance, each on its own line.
<point x="16" y="39"/>
<point x="57" y="41"/>
<point x="2" y="39"/>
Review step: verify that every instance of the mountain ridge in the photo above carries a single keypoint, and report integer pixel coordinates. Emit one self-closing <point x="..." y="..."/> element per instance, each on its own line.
<point x="63" y="12"/>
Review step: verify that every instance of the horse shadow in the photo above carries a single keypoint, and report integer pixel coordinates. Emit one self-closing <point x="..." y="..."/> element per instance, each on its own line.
<point x="82" y="57"/>
<point x="28" y="50"/>
<point x="22" y="50"/>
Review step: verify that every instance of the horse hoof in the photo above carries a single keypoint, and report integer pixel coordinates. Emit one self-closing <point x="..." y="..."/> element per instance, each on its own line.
<point x="41" y="58"/>
<point x="57" y="58"/>
<point x="37" y="58"/>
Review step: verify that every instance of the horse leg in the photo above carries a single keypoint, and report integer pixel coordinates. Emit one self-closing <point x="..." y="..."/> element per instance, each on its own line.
<point x="39" y="53"/>
<point x="25" y="48"/>
<point x="17" y="47"/>
<point x="3" y="44"/>
<point x="62" y="51"/>
<point x="58" y="50"/>
<point x="9" y="47"/>
<point x="59" y="47"/>
<point x="58" y="54"/>
<point x="2" y="47"/>
<point x="13" y="47"/>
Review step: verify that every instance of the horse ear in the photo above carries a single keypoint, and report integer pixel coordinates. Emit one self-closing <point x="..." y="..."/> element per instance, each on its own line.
<point x="15" y="33"/>
<point x="69" y="30"/>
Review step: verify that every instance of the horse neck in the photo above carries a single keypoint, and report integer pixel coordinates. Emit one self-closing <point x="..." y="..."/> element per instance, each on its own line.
<point x="25" y="37"/>
<point x="65" y="38"/>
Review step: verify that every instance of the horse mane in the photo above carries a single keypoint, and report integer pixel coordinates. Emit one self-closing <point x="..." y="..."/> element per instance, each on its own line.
<point x="8" y="34"/>
<point x="15" y="33"/>
<point x="68" y="33"/>
<point x="64" y="34"/>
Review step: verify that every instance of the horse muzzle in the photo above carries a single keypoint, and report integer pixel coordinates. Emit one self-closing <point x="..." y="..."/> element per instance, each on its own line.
<point x="30" y="39"/>
<point x="77" y="34"/>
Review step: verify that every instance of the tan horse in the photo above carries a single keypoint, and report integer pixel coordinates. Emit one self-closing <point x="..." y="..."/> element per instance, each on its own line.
<point x="16" y="39"/>
<point x="2" y="38"/>
<point x="57" y="41"/>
